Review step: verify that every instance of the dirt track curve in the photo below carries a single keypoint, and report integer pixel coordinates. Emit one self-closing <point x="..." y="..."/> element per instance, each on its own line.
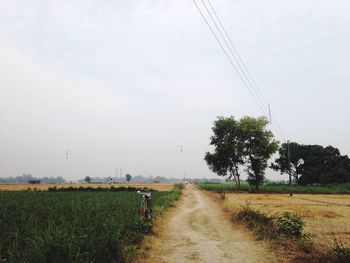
<point x="199" y="232"/>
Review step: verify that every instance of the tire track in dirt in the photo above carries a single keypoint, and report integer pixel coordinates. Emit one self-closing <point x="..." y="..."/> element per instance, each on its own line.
<point x="199" y="232"/>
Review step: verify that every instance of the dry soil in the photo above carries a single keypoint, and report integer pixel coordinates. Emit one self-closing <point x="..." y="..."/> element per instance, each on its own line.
<point x="198" y="231"/>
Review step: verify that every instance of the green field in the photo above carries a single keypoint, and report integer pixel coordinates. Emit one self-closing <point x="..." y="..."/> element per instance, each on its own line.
<point x="280" y="188"/>
<point x="77" y="226"/>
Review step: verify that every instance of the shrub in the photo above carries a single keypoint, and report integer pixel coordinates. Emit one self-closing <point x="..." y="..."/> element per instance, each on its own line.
<point x="260" y="223"/>
<point x="341" y="252"/>
<point x="222" y="195"/>
<point x="290" y="224"/>
<point x="249" y="214"/>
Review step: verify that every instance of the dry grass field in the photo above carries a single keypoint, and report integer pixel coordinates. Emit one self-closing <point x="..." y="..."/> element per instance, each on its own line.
<point x="323" y="214"/>
<point x="21" y="187"/>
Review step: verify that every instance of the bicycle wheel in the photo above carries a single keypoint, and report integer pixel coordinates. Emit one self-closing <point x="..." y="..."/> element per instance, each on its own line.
<point x="142" y="210"/>
<point x="148" y="209"/>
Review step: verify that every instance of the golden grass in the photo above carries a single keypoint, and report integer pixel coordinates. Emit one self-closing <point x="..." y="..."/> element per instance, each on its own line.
<point x="323" y="214"/>
<point x="21" y="187"/>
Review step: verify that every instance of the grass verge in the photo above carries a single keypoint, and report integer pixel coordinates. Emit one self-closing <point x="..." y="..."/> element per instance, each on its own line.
<point x="279" y="188"/>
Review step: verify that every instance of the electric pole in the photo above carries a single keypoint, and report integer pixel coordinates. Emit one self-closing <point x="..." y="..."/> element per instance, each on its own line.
<point x="289" y="171"/>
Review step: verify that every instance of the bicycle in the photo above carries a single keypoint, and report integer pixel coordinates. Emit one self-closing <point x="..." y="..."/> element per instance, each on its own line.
<point x="146" y="206"/>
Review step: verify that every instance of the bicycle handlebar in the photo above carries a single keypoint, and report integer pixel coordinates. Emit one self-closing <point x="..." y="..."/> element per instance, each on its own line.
<point x="144" y="193"/>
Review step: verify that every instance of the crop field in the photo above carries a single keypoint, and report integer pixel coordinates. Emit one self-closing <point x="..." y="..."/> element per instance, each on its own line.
<point x="21" y="187"/>
<point x="323" y="214"/>
<point x="280" y="188"/>
<point x="77" y="226"/>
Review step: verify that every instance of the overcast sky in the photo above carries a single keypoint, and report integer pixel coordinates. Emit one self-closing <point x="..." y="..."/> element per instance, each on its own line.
<point x="125" y="83"/>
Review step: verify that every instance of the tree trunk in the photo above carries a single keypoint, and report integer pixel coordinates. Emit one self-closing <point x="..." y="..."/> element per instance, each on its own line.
<point x="232" y="173"/>
<point x="238" y="180"/>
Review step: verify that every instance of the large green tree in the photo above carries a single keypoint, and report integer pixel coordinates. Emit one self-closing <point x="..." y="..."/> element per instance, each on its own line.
<point x="227" y="155"/>
<point x="314" y="164"/>
<point x="246" y="142"/>
<point x="324" y="165"/>
<point x="258" y="146"/>
<point x="297" y="156"/>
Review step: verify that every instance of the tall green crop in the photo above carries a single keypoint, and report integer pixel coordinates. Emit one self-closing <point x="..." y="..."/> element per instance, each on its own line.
<point x="69" y="226"/>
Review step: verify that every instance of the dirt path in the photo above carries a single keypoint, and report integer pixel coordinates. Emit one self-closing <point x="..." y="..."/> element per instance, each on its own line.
<point x="199" y="232"/>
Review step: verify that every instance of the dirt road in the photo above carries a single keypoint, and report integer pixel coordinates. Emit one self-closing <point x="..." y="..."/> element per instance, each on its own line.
<point x="199" y="232"/>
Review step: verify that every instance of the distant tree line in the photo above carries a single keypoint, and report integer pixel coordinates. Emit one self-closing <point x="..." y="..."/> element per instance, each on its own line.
<point x="247" y="145"/>
<point x="27" y="177"/>
<point x="146" y="179"/>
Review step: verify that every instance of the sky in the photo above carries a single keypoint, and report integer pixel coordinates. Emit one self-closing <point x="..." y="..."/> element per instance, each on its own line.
<point x="136" y="85"/>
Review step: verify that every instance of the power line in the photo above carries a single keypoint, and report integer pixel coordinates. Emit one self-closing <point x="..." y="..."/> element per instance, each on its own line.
<point x="131" y="152"/>
<point x="248" y="74"/>
<point x="252" y="86"/>
<point x="229" y="58"/>
<point x="237" y="57"/>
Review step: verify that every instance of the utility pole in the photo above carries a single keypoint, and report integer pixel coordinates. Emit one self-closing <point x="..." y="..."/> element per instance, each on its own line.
<point x="270" y="114"/>
<point x="289" y="171"/>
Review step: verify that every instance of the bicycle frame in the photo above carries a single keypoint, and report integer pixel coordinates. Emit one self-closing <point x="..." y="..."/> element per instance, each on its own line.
<point x="145" y="208"/>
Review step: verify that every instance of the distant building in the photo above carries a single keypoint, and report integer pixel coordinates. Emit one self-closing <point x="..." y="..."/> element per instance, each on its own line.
<point x="34" y="182"/>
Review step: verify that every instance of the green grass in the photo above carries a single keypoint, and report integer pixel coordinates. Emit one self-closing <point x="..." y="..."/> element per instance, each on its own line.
<point x="77" y="226"/>
<point x="280" y="188"/>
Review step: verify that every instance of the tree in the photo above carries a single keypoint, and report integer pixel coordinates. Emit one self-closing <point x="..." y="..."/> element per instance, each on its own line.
<point x="246" y="142"/>
<point x="227" y="156"/>
<point x="297" y="156"/>
<point x="128" y="177"/>
<point x="314" y="164"/>
<point x="258" y="146"/>
<point x="87" y="179"/>
<point x="324" y="165"/>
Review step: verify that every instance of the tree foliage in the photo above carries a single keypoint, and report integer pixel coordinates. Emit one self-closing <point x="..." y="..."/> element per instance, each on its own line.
<point x="88" y="179"/>
<point x="314" y="164"/>
<point x="297" y="156"/>
<point x="228" y="155"/>
<point x="246" y="142"/>
<point x="128" y="177"/>
<point x="258" y="146"/>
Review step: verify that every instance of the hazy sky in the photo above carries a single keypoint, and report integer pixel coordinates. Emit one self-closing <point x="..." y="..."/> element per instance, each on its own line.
<point x="125" y="83"/>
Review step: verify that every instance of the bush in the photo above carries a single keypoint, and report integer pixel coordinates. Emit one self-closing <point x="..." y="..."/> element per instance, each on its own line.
<point x="290" y="224"/>
<point x="249" y="214"/>
<point x="260" y="223"/>
<point x="341" y="252"/>
<point x="222" y="195"/>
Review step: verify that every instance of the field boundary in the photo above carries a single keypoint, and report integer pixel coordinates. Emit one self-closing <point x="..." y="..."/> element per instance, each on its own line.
<point x="278" y="188"/>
